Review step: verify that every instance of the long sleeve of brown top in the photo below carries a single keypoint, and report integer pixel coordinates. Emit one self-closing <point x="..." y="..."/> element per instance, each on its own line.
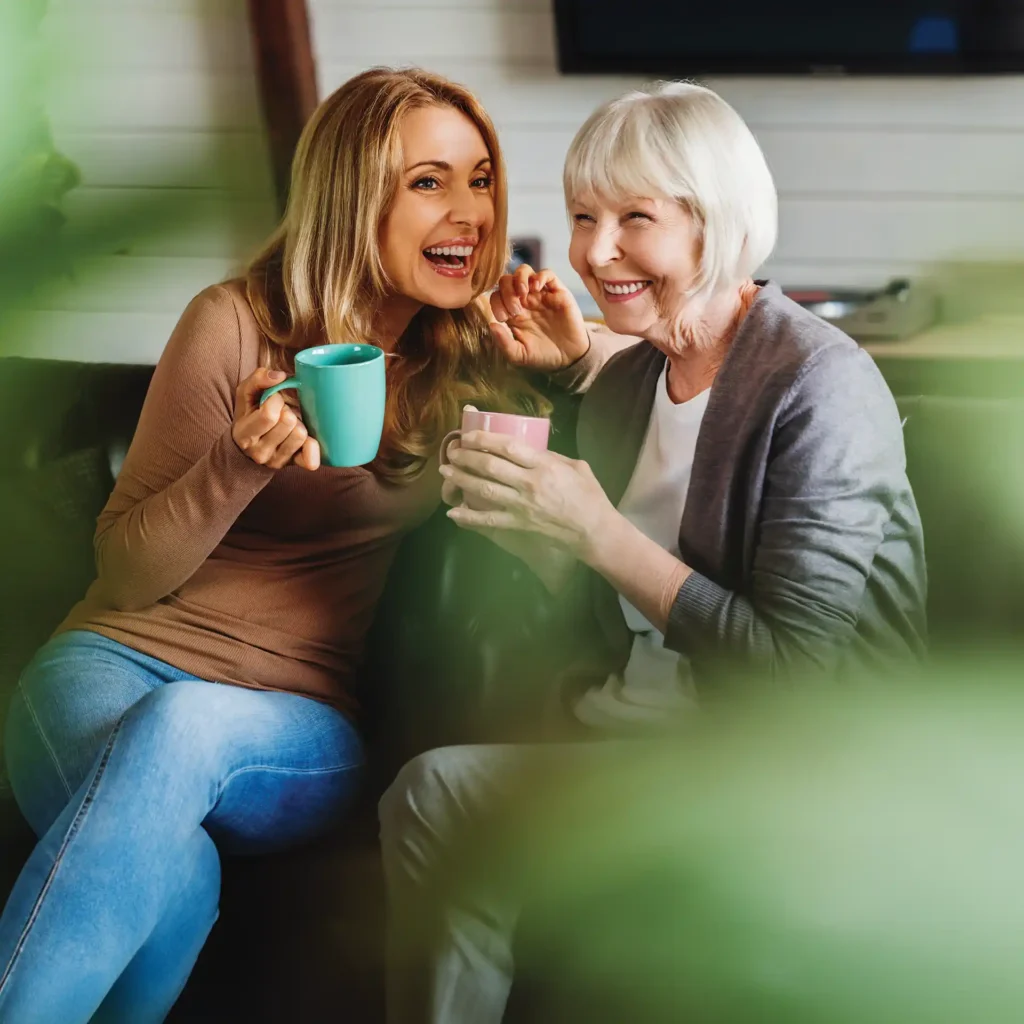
<point x="184" y="481"/>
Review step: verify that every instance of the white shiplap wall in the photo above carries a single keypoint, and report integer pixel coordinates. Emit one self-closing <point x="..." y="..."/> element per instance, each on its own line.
<point x="156" y="101"/>
<point x="876" y="176"/>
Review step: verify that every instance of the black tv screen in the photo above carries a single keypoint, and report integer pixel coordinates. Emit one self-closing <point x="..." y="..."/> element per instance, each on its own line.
<point x="681" y="38"/>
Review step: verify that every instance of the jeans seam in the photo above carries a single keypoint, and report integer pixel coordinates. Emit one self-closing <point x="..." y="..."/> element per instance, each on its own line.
<point x="45" y="739"/>
<point x="291" y="771"/>
<point x="73" y="831"/>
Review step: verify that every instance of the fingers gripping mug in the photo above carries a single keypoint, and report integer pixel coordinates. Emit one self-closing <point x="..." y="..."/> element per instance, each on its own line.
<point x="342" y="393"/>
<point x="532" y="430"/>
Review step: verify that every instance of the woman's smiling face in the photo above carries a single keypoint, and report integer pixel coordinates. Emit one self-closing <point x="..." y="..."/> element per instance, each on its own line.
<point x="638" y="257"/>
<point x="443" y="214"/>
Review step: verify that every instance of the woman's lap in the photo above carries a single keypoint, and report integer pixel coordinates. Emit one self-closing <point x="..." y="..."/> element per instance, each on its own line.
<point x="284" y="766"/>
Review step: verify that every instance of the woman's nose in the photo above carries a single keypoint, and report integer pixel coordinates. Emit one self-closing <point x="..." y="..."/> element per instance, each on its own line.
<point x="467" y="208"/>
<point x="603" y="248"/>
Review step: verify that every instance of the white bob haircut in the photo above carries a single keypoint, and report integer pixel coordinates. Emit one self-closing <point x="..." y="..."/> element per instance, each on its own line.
<point x="684" y="142"/>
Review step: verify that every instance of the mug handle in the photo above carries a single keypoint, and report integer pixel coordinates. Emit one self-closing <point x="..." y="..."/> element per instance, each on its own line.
<point x="452" y="435"/>
<point x="291" y="382"/>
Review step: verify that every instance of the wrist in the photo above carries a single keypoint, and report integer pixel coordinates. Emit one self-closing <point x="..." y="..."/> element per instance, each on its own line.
<point x="603" y="539"/>
<point x="582" y="351"/>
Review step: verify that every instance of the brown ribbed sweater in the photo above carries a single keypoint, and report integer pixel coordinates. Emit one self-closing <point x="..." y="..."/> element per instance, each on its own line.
<point x="228" y="570"/>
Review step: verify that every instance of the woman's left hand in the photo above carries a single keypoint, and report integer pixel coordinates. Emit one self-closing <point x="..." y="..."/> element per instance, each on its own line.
<point x="536" y="491"/>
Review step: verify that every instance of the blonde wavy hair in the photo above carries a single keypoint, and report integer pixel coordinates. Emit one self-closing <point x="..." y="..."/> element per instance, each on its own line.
<point x="319" y="278"/>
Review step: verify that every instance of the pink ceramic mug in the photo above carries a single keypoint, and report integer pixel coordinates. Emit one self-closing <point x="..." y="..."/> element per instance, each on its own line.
<point x="533" y="430"/>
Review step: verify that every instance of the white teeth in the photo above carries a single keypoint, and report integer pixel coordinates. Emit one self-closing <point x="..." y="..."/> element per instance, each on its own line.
<point x="450" y="250"/>
<point x="625" y="289"/>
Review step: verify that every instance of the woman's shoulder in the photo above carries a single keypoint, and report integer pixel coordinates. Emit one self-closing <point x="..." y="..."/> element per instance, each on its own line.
<point x="224" y="304"/>
<point x="783" y="345"/>
<point x="800" y="369"/>
<point x="219" y="324"/>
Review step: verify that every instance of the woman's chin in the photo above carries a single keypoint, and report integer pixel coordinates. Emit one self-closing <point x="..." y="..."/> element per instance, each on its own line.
<point x="450" y="301"/>
<point x="450" y="294"/>
<point x="624" y="321"/>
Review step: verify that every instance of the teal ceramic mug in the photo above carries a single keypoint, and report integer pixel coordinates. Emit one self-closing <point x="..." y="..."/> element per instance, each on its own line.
<point x="341" y="390"/>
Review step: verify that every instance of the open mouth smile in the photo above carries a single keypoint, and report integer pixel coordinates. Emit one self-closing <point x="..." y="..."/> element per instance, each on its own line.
<point x="451" y="259"/>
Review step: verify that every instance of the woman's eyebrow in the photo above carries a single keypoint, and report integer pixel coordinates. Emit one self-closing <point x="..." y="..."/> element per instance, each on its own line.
<point x="443" y="165"/>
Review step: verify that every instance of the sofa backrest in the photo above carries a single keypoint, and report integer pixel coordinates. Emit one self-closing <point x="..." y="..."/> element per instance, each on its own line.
<point x="66" y="427"/>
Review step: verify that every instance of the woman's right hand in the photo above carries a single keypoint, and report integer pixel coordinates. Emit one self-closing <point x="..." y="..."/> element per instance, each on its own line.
<point x="272" y="434"/>
<point x="537" y="322"/>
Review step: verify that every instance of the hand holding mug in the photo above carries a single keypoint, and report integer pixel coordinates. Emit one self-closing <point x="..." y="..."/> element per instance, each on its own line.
<point x="538" y="324"/>
<point x="531" y="430"/>
<point x="342" y="391"/>
<point x="271" y="434"/>
<point x="550" y="565"/>
<point x="511" y="486"/>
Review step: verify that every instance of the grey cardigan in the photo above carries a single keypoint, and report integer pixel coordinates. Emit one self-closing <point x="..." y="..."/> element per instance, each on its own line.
<point x="800" y="523"/>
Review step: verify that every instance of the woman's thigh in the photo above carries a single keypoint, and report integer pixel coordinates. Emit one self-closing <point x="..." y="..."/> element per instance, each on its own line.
<point x="269" y="769"/>
<point x="67" y="702"/>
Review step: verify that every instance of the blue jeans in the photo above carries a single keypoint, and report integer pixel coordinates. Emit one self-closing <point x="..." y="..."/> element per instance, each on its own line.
<point x="135" y="775"/>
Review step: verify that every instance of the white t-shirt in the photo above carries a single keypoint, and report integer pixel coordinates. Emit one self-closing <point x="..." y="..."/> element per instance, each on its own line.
<point x="656" y="684"/>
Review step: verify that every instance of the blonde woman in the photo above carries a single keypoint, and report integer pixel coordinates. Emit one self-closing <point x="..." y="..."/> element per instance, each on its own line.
<point x="740" y="511"/>
<point x="227" y="555"/>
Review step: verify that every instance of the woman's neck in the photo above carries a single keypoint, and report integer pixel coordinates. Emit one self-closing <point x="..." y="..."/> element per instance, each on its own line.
<point x="392" y="320"/>
<point x="694" y="363"/>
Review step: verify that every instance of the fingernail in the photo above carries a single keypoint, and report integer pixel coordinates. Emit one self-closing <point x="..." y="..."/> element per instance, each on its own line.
<point x="445" y="471"/>
<point x="516" y="309"/>
<point x="277" y="375"/>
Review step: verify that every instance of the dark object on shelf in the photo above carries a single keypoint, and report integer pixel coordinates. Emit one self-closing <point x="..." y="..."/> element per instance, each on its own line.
<point x="898" y="310"/>
<point x="525" y="250"/>
<point x="684" y="38"/>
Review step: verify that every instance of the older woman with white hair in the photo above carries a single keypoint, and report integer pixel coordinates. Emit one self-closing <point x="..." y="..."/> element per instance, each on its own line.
<point x="740" y="509"/>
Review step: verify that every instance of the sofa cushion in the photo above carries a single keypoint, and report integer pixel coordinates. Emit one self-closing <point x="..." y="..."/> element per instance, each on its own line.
<point x="47" y="518"/>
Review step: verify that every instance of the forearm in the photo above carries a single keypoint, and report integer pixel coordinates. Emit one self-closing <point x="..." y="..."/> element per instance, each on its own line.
<point x="148" y="548"/>
<point x="642" y="571"/>
<point x="578" y="376"/>
<point x="704" y="616"/>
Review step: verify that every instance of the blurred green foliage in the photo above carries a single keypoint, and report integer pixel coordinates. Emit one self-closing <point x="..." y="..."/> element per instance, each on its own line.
<point x="34" y="176"/>
<point x="811" y="858"/>
<point x="37" y="247"/>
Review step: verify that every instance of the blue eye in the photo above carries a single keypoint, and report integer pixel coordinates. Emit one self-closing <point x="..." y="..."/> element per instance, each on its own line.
<point x="423" y="183"/>
<point x="485" y="181"/>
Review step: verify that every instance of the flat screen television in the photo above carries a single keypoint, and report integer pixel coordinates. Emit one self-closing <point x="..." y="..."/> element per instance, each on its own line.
<point x="682" y="38"/>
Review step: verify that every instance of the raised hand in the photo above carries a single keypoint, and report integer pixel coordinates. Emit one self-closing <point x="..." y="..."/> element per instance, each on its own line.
<point x="537" y="323"/>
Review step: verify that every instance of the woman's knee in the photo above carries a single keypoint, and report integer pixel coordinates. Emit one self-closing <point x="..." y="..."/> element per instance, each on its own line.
<point x="438" y="793"/>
